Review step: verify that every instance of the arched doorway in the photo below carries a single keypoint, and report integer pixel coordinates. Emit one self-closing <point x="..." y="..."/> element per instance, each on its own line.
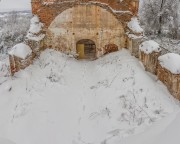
<point x="86" y="49"/>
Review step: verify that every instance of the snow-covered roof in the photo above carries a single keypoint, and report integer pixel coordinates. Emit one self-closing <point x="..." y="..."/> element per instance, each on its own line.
<point x="171" y="62"/>
<point x="134" y="25"/>
<point x="149" y="47"/>
<point x="21" y="50"/>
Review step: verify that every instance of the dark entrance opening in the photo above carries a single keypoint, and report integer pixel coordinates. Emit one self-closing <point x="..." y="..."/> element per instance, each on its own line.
<point x="86" y="49"/>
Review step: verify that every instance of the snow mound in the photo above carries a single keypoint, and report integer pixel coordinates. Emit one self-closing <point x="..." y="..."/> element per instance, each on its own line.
<point x="171" y="62"/>
<point x="35" y="19"/>
<point x="67" y="101"/>
<point x="36" y="25"/>
<point x="35" y="29"/>
<point x="134" y="25"/>
<point x="21" y="50"/>
<point x="4" y="69"/>
<point x="149" y="47"/>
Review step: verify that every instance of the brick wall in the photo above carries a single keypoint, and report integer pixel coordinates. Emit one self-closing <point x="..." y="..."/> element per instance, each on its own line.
<point x="47" y="10"/>
<point x="17" y="64"/>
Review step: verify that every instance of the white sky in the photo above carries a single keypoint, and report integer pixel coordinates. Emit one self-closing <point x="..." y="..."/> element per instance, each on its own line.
<point x="9" y="5"/>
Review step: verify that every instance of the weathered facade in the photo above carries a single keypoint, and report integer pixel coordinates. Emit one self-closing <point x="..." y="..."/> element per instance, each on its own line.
<point x="17" y="64"/>
<point x="69" y="21"/>
<point x="172" y="81"/>
<point x="20" y="57"/>
<point x="149" y="51"/>
<point x="48" y="10"/>
<point x="133" y="43"/>
<point x="90" y="29"/>
<point x="149" y="61"/>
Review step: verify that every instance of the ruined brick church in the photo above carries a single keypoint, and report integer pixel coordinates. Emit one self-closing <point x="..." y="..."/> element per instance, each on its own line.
<point x="89" y="28"/>
<point x="86" y="29"/>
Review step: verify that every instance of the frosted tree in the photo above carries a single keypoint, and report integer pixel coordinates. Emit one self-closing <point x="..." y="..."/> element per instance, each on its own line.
<point x="160" y="17"/>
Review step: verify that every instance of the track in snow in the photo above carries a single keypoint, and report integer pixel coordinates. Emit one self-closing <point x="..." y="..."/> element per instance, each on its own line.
<point x="61" y="100"/>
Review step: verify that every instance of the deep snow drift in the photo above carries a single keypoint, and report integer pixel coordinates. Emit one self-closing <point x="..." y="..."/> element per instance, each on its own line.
<point x="60" y="100"/>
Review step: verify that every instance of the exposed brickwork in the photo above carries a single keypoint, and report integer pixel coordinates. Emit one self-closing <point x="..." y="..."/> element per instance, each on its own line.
<point x="47" y="10"/>
<point x="151" y="64"/>
<point x="110" y="48"/>
<point x="72" y="12"/>
<point x="17" y="64"/>
<point x="149" y="61"/>
<point x="172" y="81"/>
<point x="85" y="22"/>
<point x="36" y="46"/>
<point x="133" y="45"/>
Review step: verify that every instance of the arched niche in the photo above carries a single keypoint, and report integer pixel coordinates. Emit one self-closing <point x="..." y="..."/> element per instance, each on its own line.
<point x="85" y="22"/>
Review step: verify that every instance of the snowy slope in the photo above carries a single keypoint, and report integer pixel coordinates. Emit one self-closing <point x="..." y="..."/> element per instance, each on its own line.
<point x="60" y="100"/>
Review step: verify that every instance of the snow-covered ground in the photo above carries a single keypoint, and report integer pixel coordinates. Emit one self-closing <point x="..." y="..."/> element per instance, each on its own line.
<point x="60" y="100"/>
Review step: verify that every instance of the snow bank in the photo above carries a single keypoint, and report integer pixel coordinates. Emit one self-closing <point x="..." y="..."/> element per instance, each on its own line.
<point x="170" y="135"/>
<point x="149" y="47"/>
<point x="134" y="25"/>
<point x="171" y="62"/>
<point x="79" y="102"/>
<point x="21" y="50"/>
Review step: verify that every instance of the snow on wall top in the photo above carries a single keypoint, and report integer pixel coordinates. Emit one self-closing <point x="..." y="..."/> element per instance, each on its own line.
<point x="134" y="25"/>
<point x="149" y="47"/>
<point x="35" y="28"/>
<point x="21" y="50"/>
<point x="171" y="62"/>
<point x="36" y="25"/>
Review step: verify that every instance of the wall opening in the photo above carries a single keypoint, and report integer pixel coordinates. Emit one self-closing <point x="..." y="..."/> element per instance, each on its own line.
<point x="110" y="48"/>
<point x="86" y="49"/>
